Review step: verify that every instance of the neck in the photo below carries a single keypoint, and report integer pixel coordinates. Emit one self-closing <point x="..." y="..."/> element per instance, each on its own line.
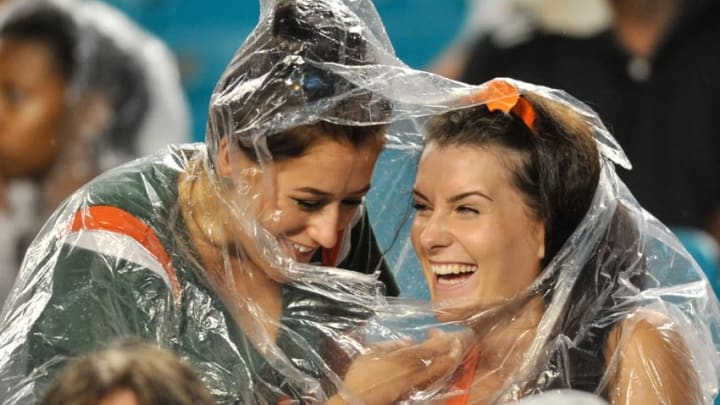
<point x="502" y="351"/>
<point x="512" y="339"/>
<point x="641" y="24"/>
<point x="233" y="266"/>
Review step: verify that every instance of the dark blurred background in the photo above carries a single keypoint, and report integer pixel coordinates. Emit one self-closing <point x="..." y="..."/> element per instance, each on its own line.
<point x="205" y="34"/>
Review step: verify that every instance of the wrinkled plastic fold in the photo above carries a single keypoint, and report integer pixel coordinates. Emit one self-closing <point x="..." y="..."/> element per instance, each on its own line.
<point x="119" y="257"/>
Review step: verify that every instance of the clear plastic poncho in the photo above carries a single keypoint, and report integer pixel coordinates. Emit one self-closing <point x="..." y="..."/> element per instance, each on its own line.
<point x="177" y="248"/>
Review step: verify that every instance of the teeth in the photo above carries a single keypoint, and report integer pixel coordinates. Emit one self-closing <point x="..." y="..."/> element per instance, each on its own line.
<point x="447" y="281"/>
<point x="445" y="269"/>
<point x="301" y="248"/>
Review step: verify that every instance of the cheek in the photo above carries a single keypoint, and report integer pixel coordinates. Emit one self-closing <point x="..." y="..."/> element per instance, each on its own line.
<point x="32" y="136"/>
<point x="41" y="115"/>
<point x="284" y="218"/>
<point x="415" y="235"/>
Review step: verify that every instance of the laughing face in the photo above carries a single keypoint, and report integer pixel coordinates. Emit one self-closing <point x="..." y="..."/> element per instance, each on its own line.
<point x="311" y="199"/>
<point x="475" y="236"/>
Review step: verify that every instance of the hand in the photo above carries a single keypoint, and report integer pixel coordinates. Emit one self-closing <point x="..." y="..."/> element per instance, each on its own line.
<point x="392" y="370"/>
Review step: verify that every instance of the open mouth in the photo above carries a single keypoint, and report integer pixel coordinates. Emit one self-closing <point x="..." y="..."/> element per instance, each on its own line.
<point x="302" y="249"/>
<point x="452" y="274"/>
<point x="301" y="253"/>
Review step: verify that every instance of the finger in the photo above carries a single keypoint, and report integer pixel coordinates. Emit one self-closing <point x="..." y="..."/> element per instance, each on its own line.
<point x="436" y="345"/>
<point x="435" y="333"/>
<point x="420" y="356"/>
<point x="388" y="346"/>
<point x="440" y="368"/>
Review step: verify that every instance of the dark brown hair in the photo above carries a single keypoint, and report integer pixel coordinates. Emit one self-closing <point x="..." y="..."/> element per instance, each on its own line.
<point x="155" y="375"/>
<point x="295" y="142"/>
<point x="281" y="60"/>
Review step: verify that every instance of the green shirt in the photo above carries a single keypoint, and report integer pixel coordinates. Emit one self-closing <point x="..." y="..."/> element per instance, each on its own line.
<point x="84" y="286"/>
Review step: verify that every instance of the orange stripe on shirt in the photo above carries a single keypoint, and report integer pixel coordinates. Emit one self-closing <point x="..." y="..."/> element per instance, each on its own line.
<point x="113" y="219"/>
<point x="466" y="378"/>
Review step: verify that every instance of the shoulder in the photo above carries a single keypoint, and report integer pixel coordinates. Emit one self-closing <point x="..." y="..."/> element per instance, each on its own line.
<point x="643" y="330"/>
<point x="146" y="187"/>
<point x="648" y="361"/>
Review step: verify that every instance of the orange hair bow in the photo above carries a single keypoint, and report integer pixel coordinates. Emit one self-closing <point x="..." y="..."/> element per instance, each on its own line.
<point x="499" y="94"/>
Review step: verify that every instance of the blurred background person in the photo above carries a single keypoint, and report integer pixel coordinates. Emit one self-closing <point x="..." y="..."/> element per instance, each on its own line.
<point x="82" y="89"/>
<point x="650" y="73"/>
<point x="509" y="21"/>
<point x="128" y="372"/>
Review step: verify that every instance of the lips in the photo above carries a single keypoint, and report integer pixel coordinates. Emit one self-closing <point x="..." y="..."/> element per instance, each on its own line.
<point x="301" y="248"/>
<point x="452" y="275"/>
<point x="301" y="253"/>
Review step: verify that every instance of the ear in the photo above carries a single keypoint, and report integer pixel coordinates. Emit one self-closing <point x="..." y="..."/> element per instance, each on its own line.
<point x="91" y="116"/>
<point x="540" y="239"/>
<point x="223" y="160"/>
<point x="231" y="162"/>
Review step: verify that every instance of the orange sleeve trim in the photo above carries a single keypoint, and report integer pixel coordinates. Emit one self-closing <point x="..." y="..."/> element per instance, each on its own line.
<point x="330" y="256"/>
<point x="113" y="219"/>
<point x="466" y="378"/>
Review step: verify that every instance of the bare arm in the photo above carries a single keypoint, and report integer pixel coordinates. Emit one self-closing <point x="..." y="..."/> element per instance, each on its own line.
<point x="649" y="363"/>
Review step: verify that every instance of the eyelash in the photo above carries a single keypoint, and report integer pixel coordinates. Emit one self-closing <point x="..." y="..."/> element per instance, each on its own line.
<point x="467" y="210"/>
<point x="353" y="202"/>
<point x="461" y="209"/>
<point x="313" y="205"/>
<point x="310" y="205"/>
<point x="419" y="206"/>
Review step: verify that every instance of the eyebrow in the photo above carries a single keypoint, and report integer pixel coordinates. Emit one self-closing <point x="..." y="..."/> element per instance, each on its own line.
<point x="460" y="196"/>
<point x="419" y="194"/>
<point x="457" y="197"/>
<point x="324" y="194"/>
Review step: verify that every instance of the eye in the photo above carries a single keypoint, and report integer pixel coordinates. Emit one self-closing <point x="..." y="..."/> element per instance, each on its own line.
<point x="465" y="210"/>
<point x="13" y="95"/>
<point x="353" y="202"/>
<point x="310" y="205"/>
<point x="418" y="206"/>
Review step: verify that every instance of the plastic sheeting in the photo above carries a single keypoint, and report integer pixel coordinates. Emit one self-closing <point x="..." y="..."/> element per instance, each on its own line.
<point x="191" y="248"/>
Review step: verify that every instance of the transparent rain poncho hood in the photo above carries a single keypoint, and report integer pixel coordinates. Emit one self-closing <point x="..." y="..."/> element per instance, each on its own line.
<point x="189" y="247"/>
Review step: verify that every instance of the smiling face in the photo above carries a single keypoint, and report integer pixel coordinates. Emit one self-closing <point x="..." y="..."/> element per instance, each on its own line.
<point x="474" y="234"/>
<point x="32" y="108"/>
<point x="313" y="197"/>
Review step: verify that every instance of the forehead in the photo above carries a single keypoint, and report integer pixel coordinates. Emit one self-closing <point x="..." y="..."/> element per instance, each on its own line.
<point x="26" y="59"/>
<point x="331" y="166"/>
<point x="463" y="163"/>
<point x="451" y="170"/>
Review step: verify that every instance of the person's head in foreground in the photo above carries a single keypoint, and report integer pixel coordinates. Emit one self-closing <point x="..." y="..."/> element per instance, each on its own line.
<point x="128" y="372"/>
<point x="520" y="233"/>
<point x="304" y="182"/>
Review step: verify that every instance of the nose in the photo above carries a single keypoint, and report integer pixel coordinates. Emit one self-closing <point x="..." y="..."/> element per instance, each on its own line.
<point x="434" y="233"/>
<point x="323" y="227"/>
